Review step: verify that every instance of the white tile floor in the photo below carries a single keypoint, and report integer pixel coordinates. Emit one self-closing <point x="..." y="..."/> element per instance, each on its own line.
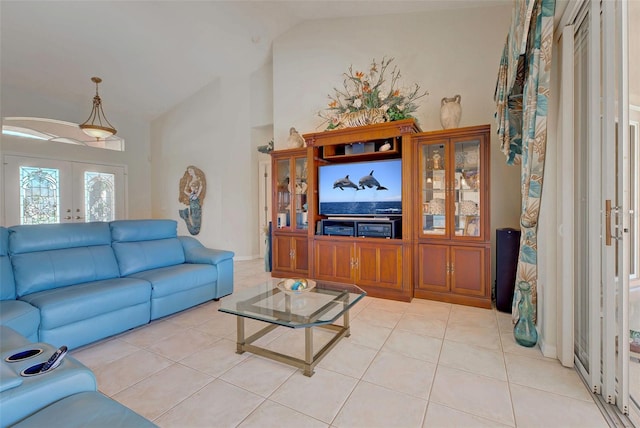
<point x="418" y="364"/>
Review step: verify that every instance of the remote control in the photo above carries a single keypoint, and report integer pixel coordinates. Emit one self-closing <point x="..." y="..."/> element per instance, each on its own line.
<point x="55" y="359"/>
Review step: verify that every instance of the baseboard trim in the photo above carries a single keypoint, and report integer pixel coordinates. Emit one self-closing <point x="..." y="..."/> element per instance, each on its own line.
<point x="246" y="258"/>
<point x="548" y="350"/>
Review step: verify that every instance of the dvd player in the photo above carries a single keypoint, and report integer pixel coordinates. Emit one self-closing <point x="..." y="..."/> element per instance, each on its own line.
<point x="338" y="230"/>
<point x="380" y="229"/>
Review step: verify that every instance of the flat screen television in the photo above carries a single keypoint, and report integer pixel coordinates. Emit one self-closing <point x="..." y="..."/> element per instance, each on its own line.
<point x="372" y="188"/>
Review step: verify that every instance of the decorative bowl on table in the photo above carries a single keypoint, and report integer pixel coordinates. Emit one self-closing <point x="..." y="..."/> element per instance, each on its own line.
<point x="296" y="285"/>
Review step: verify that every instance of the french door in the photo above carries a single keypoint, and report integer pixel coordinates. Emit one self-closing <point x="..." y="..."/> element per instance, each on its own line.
<point x="39" y="190"/>
<point x="595" y="68"/>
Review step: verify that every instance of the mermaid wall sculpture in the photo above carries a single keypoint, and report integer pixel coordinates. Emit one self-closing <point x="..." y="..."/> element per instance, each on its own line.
<point x="193" y="187"/>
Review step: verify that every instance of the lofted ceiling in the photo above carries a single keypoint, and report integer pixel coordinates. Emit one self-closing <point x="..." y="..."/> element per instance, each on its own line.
<point x="152" y="55"/>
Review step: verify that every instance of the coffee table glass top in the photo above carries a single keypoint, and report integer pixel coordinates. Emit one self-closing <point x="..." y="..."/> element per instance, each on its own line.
<point x="265" y="302"/>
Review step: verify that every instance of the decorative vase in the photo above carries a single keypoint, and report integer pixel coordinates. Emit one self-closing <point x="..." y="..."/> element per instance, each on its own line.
<point x="525" y="330"/>
<point x="450" y="112"/>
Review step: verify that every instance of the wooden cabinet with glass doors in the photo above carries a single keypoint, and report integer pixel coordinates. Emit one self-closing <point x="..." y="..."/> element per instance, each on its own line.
<point x="290" y="221"/>
<point x="452" y="235"/>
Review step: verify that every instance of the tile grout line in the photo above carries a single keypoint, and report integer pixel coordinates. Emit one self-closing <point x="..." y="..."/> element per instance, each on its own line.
<point x="506" y="369"/>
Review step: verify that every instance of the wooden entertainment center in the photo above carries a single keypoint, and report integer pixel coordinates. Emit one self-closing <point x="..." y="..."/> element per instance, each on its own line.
<point x="437" y="247"/>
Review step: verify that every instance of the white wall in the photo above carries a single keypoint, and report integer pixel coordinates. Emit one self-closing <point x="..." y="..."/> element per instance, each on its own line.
<point x="261" y="82"/>
<point x="211" y="131"/>
<point x="445" y="52"/>
<point x="261" y="133"/>
<point x="17" y="102"/>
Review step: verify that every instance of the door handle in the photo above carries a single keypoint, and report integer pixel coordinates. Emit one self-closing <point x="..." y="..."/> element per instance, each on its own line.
<point x="609" y="212"/>
<point x="607" y="221"/>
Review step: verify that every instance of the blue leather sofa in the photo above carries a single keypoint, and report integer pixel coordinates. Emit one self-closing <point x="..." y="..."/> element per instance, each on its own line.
<point x="17" y="314"/>
<point x="73" y="284"/>
<point x="65" y="396"/>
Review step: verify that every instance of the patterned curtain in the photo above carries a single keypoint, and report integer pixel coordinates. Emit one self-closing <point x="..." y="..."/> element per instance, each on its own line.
<point x="522" y="94"/>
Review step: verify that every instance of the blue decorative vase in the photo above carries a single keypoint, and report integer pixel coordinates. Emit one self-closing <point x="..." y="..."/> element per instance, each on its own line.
<point x="525" y="330"/>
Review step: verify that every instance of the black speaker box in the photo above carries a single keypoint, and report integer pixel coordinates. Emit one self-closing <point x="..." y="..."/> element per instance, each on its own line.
<point x="507" y="249"/>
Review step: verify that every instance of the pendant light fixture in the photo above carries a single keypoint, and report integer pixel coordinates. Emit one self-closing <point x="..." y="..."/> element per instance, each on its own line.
<point x="97" y="125"/>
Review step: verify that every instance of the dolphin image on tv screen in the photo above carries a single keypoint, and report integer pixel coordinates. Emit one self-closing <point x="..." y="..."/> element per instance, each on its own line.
<point x="344" y="182"/>
<point x="369" y="181"/>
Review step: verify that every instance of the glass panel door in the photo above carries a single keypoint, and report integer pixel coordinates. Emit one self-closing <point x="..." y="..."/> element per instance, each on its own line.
<point x="98" y="187"/>
<point x="584" y="194"/>
<point x="283" y="197"/>
<point x="601" y="200"/>
<point x="433" y="166"/>
<point x="301" y="193"/>
<point x="466" y="188"/>
<point x="615" y="183"/>
<point x="39" y="195"/>
<point x="634" y="223"/>
<point x="41" y="191"/>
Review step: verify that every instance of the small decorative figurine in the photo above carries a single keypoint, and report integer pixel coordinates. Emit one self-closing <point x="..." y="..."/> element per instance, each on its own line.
<point x="295" y="140"/>
<point x="437" y="159"/>
<point x="267" y="148"/>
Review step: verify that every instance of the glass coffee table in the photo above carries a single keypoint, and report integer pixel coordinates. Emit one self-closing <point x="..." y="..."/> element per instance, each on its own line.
<point x="318" y="307"/>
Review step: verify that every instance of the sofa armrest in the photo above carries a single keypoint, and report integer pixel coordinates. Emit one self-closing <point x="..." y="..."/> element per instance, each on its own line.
<point x="195" y="252"/>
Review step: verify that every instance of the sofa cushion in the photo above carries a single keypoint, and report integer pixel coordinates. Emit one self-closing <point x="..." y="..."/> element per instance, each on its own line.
<point x="20" y="316"/>
<point x="43" y="270"/>
<point x="175" y="279"/>
<point x="4" y="241"/>
<point x="143" y="230"/>
<point x="7" y="282"/>
<point x="86" y="409"/>
<point x="66" y="305"/>
<point x="48" y="256"/>
<point x="141" y="245"/>
<point x="41" y="237"/>
<point x="145" y="255"/>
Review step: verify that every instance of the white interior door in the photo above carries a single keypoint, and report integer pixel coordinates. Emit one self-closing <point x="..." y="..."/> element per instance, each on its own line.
<point x="264" y="184"/>
<point x="39" y="190"/>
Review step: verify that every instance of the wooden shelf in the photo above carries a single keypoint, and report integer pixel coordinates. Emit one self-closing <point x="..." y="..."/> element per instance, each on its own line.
<point x="378" y="131"/>
<point x="365" y="150"/>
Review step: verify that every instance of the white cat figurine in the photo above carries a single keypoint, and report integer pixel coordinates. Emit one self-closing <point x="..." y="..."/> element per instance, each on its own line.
<point x="450" y="112"/>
